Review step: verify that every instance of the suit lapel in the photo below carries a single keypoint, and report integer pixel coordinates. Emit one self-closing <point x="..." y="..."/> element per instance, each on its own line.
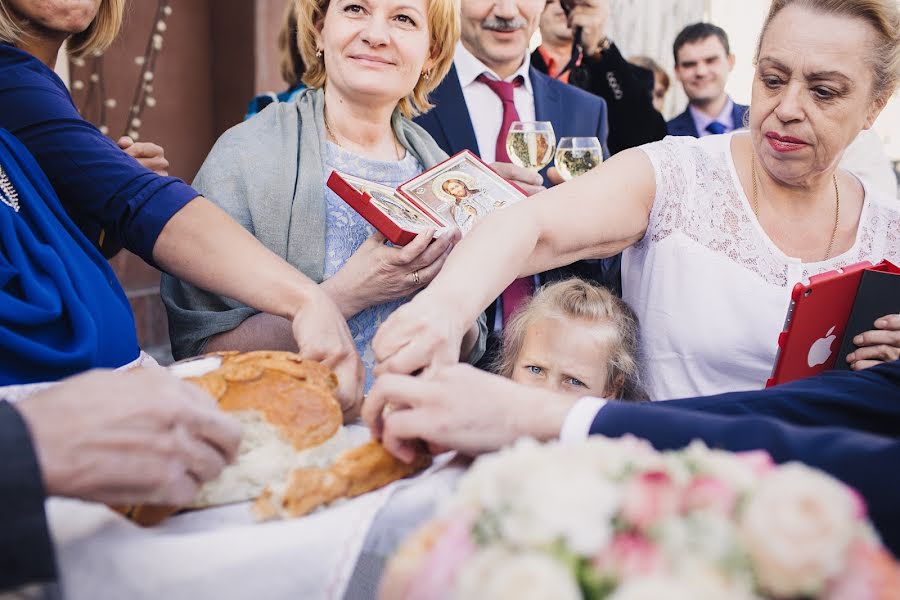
<point x="737" y="115"/>
<point x="547" y="106"/>
<point x="453" y="115"/>
<point x="683" y="124"/>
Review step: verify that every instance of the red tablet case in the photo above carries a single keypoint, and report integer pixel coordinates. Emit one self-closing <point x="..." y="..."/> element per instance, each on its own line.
<point x="815" y="324"/>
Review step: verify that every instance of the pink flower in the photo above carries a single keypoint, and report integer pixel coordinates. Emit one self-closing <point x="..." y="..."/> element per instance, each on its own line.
<point x="649" y="498"/>
<point x="629" y="556"/>
<point x="440" y="569"/>
<point x="758" y="460"/>
<point x="870" y="574"/>
<point x="708" y="493"/>
<point x="862" y="511"/>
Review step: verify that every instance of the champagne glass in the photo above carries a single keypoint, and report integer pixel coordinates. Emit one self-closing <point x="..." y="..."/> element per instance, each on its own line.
<point x="577" y="155"/>
<point x="530" y="144"/>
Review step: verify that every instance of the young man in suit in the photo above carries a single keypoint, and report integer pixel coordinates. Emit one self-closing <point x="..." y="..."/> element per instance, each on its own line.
<point x="600" y="69"/>
<point x="846" y="423"/>
<point x="703" y="60"/>
<point x="492" y="83"/>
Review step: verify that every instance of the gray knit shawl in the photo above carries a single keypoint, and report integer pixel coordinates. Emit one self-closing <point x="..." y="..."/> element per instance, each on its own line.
<point x="268" y="174"/>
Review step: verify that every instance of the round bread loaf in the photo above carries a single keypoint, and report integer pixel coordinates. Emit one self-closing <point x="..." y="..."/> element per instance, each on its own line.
<point x="290" y="417"/>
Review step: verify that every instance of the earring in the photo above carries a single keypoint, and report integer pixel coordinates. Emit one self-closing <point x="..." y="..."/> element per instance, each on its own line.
<point x="319" y="53"/>
<point x="426" y="75"/>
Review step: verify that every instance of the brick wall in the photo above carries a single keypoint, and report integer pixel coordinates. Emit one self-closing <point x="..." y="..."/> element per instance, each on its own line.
<point x="216" y="55"/>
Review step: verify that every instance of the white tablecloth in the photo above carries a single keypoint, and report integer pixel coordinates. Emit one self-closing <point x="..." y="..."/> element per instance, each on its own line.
<point x="222" y="553"/>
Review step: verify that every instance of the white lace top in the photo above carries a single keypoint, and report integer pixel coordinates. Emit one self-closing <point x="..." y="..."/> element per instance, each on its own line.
<point x="709" y="286"/>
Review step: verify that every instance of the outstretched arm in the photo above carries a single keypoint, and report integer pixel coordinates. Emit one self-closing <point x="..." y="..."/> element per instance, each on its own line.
<point x="593" y="216"/>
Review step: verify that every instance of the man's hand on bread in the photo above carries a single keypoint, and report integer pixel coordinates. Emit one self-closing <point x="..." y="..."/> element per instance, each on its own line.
<point x="461" y="408"/>
<point x="142" y="436"/>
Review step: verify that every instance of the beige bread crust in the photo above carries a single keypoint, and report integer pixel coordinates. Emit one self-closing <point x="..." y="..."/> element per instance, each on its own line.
<point x="354" y="472"/>
<point x="295" y="396"/>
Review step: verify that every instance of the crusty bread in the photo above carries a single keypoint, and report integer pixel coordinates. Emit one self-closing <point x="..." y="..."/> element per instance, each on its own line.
<point x="353" y="473"/>
<point x="291" y="433"/>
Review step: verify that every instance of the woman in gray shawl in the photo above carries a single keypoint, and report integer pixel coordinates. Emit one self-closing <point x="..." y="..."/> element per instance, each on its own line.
<point x="369" y="68"/>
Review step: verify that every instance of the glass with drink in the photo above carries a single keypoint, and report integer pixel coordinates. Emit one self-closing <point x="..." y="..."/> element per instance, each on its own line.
<point x="530" y="144"/>
<point x="577" y="155"/>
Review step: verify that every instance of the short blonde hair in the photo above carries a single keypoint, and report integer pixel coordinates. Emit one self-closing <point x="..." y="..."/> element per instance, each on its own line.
<point x="882" y="15"/>
<point x="443" y="27"/>
<point x="578" y="299"/>
<point x="97" y="37"/>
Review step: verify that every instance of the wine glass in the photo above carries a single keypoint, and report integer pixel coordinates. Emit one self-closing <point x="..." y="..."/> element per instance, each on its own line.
<point x="577" y="155"/>
<point x="530" y="144"/>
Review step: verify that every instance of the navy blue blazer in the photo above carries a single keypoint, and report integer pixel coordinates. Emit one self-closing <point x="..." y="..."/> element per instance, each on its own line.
<point x="844" y="422"/>
<point x="572" y="111"/>
<point x="683" y="124"/>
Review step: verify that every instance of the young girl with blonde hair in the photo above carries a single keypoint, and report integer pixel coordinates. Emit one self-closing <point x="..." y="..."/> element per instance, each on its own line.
<point x="574" y="337"/>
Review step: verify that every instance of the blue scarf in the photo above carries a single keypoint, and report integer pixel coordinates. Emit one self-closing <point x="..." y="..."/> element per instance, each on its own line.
<point x="62" y="311"/>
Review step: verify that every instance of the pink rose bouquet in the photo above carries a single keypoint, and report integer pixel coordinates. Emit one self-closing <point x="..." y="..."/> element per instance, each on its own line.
<point x="616" y="519"/>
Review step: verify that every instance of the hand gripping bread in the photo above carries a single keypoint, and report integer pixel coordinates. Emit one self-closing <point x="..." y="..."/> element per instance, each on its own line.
<point x="291" y="422"/>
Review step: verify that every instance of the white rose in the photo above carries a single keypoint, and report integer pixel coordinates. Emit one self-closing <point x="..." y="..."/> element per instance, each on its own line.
<point x="797" y="528"/>
<point x="498" y="574"/>
<point x="701" y="536"/>
<point x="568" y="505"/>
<point x="692" y="587"/>
<point x="724" y="466"/>
<point x="493" y="479"/>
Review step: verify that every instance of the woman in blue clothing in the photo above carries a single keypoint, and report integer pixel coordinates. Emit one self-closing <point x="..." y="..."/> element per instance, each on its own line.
<point x="110" y="196"/>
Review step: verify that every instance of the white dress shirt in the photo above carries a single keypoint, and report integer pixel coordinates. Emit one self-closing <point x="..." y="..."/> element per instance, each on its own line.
<point x="579" y="419"/>
<point x="702" y="120"/>
<point x="485" y="107"/>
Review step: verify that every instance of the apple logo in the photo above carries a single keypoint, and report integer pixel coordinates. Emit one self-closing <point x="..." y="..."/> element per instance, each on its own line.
<point x="820" y="349"/>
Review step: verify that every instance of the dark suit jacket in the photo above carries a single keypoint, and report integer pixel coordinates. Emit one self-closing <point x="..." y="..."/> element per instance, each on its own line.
<point x="683" y="124"/>
<point x="572" y="112"/>
<point x="844" y="422"/>
<point x="26" y="552"/>
<point x="627" y="90"/>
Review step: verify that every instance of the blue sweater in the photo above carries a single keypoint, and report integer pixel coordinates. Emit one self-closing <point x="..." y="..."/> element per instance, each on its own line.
<point x="102" y="188"/>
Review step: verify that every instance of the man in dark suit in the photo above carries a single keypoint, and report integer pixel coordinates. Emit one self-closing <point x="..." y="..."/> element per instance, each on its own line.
<point x="600" y="69"/>
<point x="846" y="423"/>
<point x="703" y="60"/>
<point x="112" y="437"/>
<point x="492" y="84"/>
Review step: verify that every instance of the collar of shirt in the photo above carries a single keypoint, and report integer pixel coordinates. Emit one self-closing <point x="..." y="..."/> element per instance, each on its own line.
<point x="468" y="68"/>
<point x="484" y="106"/>
<point x="553" y="68"/>
<point x="702" y="120"/>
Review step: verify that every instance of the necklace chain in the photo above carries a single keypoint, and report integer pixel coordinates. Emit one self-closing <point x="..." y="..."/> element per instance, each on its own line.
<point x="837" y="205"/>
<point x="8" y="194"/>
<point x="336" y="141"/>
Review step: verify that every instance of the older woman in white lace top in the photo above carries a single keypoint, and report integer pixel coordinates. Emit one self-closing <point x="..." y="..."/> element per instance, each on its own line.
<point x="715" y="231"/>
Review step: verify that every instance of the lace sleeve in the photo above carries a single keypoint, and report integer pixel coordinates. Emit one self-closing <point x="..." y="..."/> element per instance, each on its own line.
<point x="673" y="185"/>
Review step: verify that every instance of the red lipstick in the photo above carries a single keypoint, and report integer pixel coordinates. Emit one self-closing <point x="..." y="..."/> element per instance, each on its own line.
<point x="784" y="143"/>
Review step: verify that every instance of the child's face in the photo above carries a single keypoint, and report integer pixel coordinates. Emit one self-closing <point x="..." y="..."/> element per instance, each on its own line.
<point x="564" y="355"/>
